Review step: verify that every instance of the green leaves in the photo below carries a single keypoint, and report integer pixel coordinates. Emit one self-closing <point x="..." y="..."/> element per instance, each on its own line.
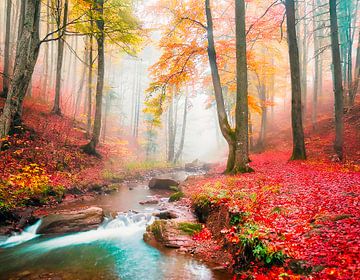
<point x="121" y="27"/>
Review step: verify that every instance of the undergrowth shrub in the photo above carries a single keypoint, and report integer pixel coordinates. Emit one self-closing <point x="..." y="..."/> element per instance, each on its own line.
<point x="31" y="186"/>
<point x="248" y="244"/>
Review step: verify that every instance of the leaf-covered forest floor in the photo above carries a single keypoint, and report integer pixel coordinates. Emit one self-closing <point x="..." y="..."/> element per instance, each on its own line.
<point x="41" y="162"/>
<point x="307" y="210"/>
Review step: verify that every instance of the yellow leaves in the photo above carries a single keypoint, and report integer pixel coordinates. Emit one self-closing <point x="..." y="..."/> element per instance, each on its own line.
<point x="32" y="177"/>
<point x="253" y="104"/>
<point x="122" y="28"/>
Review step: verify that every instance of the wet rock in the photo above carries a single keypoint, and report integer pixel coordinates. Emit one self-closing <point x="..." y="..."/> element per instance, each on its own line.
<point x="75" y="191"/>
<point x="193" y="166"/>
<point x="208" y="166"/>
<point x="149" y="201"/>
<point x="164" y="184"/>
<point x="166" y="215"/>
<point x="166" y="233"/>
<point x="72" y="221"/>
<point x="27" y="218"/>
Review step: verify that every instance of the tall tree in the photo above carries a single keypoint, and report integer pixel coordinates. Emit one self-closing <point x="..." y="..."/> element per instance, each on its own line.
<point x="304" y="62"/>
<point x="26" y="56"/>
<point x="261" y="88"/>
<point x="299" y="151"/>
<point x="355" y="86"/>
<point x="183" y="130"/>
<point x="220" y="105"/>
<point x="6" y="75"/>
<point x="45" y="78"/>
<point x="82" y="81"/>
<point x="347" y="14"/>
<point x="316" y="66"/>
<point x="90" y="81"/>
<point x="62" y="13"/>
<point x="337" y="76"/>
<point x="238" y="157"/>
<point x="90" y="148"/>
<point x="242" y="110"/>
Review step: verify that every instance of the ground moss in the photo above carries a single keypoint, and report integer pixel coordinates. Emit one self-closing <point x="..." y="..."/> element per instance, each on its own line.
<point x="190" y="228"/>
<point x="176" y="196"/>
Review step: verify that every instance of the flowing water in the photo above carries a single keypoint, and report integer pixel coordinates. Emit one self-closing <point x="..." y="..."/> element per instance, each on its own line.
<point x="113" y="251"/>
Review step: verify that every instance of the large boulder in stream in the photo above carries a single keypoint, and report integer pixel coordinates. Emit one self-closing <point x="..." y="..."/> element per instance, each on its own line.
<point x="169" y="234"/>
<point x="162" y="184"/>
<point x="72" y="221"/>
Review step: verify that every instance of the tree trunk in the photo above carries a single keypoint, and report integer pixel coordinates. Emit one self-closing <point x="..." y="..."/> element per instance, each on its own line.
<point x="6" y="75"/>
<point x="89" y="95"/>
<point x="90" y="148"/>
<point x="60" y="55"/>
<point x="81" y="86"/>
<point x="338" y="89"/>
<point x="316" y="68"/>
<point x="264" y="109"/>
<point x="357" y="75"/>
<point x="242" y="111"/>
<point x="21" y="20"/>
<point x="225" y="128"/>
<point x="133" y="98"/>
<point x="251" y="133"/>
<point x="320" y="41"/>
<point x="26" y="57"/>
<point x="106" y="114"/>
<point x="137" y="103"/>
<point x="44" y="86"/>
<point x="171" y="130"/>
<point x="296" y="110"/>
<point x="303" y="75"/>
<point x="183" y="130"/>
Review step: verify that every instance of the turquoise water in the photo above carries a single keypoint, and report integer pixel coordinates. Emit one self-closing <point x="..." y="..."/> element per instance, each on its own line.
<point x="115" y="250"/>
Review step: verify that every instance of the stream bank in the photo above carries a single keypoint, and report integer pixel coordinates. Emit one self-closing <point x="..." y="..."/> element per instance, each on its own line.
<point x="113" y="250"/>
<point x="19" y="218"/>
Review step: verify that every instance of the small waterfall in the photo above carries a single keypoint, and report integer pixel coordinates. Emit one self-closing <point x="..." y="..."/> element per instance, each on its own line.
<point x="18" y="238"/>
<point x="124" y="225"/>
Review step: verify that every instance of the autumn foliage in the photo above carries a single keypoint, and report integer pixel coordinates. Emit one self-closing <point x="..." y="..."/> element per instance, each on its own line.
<point x="302" y="215"/>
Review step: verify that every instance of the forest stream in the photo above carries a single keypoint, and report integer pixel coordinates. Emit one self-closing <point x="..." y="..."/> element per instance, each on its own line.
<point x="115" y="250"/>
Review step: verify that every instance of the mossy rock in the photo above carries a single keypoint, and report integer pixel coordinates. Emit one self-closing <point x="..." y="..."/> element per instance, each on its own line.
<point x="174" y="188"/>
<point x="156" y="228"/>
<point x="190" y="228"/>
<point x="300" y="267"/>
